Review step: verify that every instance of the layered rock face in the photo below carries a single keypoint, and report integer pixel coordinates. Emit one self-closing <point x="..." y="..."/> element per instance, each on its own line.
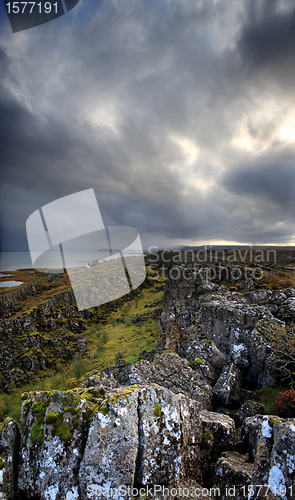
<point x="82" y="444"/>
<point x="35" y="340"/>
<point x="35" y="336"/>
<point x="75" y="444"/>
<point x="150" y="426"/>
<point x="166" y="369"/>
<point x="241" y="326"/>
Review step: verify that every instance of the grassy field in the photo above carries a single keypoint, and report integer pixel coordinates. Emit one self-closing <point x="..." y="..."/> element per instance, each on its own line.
<point x="118" y="338"/>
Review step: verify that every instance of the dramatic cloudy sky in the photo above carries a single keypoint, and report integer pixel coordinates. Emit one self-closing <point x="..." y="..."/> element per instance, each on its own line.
<point x="179" y="113"/>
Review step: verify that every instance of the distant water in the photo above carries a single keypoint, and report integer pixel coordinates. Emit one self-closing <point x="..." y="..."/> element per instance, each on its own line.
<point x="10" y="261"/>
<point x="10" y="283"/>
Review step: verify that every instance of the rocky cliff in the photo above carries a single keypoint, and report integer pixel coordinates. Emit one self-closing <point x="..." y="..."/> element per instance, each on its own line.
<point x="180" y="422"/>
<point x="81" y="444"/>
<point x="38" y="338"/>
<point x="41" y="326"/>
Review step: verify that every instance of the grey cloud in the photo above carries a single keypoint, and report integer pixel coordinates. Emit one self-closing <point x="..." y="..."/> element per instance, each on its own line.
<point x="268" y="36"/>
<point x="272" y="178"/>
<point x="103" y="100"/>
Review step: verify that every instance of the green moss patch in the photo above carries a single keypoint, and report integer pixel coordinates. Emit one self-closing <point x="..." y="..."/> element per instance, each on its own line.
<point x="62" y="429"/>
<point x="157" y="410"/>
<point x="37" y="430"/>
<point x="272" y="421"/>
<point x="198" y="361"/>
<point x="207" y="436"/>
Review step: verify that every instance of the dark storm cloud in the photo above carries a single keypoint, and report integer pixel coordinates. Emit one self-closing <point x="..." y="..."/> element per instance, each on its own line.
<point x="148" y="102"/>
<point x="268" y="177"/>
<point x="268" y="37"/>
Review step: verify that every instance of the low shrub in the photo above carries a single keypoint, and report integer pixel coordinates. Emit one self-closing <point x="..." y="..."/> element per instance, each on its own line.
<point x="286" y="403"/>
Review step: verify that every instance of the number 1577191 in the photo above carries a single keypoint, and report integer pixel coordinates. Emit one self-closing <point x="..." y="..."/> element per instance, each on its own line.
<point x="21" y="7"/>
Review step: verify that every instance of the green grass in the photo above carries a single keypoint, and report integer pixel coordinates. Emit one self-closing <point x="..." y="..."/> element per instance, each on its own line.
<point x="266" y="396"/>
<point x="118" y="338"/>
<point x="122" y="339"/>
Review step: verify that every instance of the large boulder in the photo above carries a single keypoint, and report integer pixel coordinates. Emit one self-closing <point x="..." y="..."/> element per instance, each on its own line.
<point x="175" y="373"/>
<point x="111" y="449"/>
<point x="53" y="433"/>
<point x="165" y="368"/>
<point x="271" y="442"/>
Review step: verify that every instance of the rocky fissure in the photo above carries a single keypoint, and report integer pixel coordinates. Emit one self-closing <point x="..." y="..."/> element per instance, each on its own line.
<point x="180" y="418"/>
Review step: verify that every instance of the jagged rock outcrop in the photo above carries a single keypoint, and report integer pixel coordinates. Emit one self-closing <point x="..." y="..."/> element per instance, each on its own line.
<point x="35" y="340"/>
<point x="233" y="475"/>
<point x="10" y="303"/>
<point x="74" y="443"/>
<point x="35" y="337"/>
<point x="79" y="444"/>
<point x="165" y="368"/>
<point x="150" y="423"/>
<point x="268" y="469"/>
<point x="242" y="327"/>
<point x="271" y="442"/>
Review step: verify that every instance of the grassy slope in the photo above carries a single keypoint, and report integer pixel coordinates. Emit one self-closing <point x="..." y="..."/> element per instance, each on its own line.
<point x="118" y="338"/>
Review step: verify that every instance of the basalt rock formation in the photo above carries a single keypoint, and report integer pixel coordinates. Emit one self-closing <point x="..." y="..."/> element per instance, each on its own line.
<point x="36" y="336"/>
<point x="180" y="422"/>
<point x="244" y="327"/>
<point x="37" y="339"/>
<point x="80" y="444"/>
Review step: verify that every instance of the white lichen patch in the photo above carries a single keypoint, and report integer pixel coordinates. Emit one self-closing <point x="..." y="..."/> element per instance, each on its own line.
<point x="51" y="493"/>
<point x="266" y="429"/>
<point x="104" y="420"/>
<point x="238" y="348"/>
<point x="290" y="462"/>
<point x="72" y="494"/>
<point x="276" y="479"/>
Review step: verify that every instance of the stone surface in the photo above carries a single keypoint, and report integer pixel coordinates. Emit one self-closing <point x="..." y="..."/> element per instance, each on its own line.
<point x="53" y="434"/>
<point x="9" y="445"/>
<point x="77" y="444"/>
<point x="282" y="463"/>
<point x="229" y="385"/>
<point x="112" y="445"/>
<point x="249" y="409"/>
<point x="233" y="474"/>
<point x="165" y="368"/>
<point x="173" y="372"/>
<point x="271" y="442"/>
